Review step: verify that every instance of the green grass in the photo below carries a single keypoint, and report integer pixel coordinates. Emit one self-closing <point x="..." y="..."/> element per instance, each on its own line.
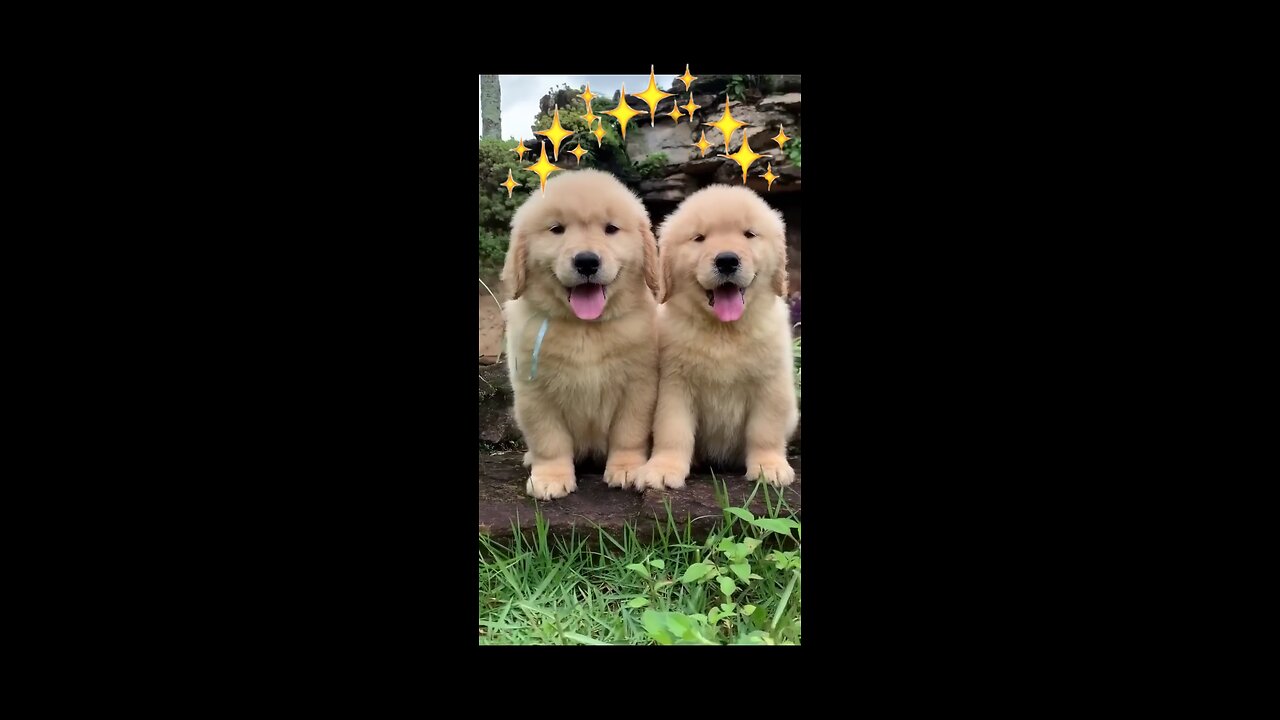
<point x="739" y="586"/>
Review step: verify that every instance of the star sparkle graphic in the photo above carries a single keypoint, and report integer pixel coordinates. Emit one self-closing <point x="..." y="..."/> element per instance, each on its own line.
<point x="727" y="124"/>
<point x="687" y="78"/>
<point x="510" y="184"/>
<point x="744" y="157"/>
<point x="555" y="134"/>
<point x="702" y="144"/>
<point x="543" y="168"/>
<point x="770" y="176"/>
<point x="578" y="152"/>
<point x="520" y="149"/>
<point x="652" y="96"/>
<point x="690" y="107"/>
<point x="781" y="138"/>
<point x="624" y="112"/>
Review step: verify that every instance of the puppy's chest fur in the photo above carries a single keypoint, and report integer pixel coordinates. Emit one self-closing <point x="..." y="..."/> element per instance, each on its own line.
<point x="584" y="367"/>
<point x="724" y="371"/>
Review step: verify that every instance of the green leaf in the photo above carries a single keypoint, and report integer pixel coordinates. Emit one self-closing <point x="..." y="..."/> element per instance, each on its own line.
<point x="658" y="564"/>
<point x="665" y="583"/>
<point x="748" y="610"/>
<point x="640" y="569"/>
<point x="655" y="623"/>
<point x="742" y="570"/>
<point x="727" y="608"/>
<point x="727" y="586"/>
<point x="699" y="617"/>
<point x="583" y="639"/>
<point x="752" y="576"/>
<point x="695" y="572"/>
<point x="638" y="602"/>
<point x="751" y="544"/>
<point x="741" y="513"/>
<point x="682" y="626"/>
<point x="725" y="545"/>
<point x="715" y="616"/>
<point x="782" y="526"/>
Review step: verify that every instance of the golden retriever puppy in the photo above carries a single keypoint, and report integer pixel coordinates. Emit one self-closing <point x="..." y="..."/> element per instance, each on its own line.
<point x="727" y="392"/>
<point x="582" y="272"/>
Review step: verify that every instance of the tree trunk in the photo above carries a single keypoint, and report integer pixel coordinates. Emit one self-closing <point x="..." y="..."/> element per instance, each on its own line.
<point x="490" y="107"/>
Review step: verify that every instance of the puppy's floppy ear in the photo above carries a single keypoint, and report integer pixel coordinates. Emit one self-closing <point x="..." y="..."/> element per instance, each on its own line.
<point x="780" y="276"/>
<point x="779" y="280"/>
<point x="650" y="259"/>
<point x="665" y="262"/>
<point x="513" y="268"/>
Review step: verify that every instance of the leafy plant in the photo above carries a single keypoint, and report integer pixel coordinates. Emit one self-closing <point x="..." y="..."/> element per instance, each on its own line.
<point x="652" y="166"/>
<point x="720" y="583"/>
<point x="609" y="152"/>
<point x="496" y="209"/>
<point x="741" y="586"/>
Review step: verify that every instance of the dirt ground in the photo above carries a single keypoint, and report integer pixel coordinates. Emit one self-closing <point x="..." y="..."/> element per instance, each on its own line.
<point x="490" y="320"/>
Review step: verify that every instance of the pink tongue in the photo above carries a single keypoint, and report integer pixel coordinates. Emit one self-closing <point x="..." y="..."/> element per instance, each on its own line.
<point x="728" y="303"/>
<point x="587" y="301"/>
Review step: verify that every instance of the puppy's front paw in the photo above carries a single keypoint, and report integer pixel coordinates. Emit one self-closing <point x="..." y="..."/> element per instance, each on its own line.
<point x="661" y="472"/>
<point x="528" y="458"/>
<point x="549" y="483"/>
<point x="623" y="469"/>
<point x="774" y="468"/>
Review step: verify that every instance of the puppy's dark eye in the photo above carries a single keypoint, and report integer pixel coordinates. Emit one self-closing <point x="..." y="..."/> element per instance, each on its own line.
<point x="749" y="233"/>
<point x="610" y="229"/>
<point x="699" y="238"/>
<point x="557" y="229"/>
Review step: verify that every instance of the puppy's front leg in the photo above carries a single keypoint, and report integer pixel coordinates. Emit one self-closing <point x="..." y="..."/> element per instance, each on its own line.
<point x="550" y="453"/>
<point x="629" y="434"/>
<point x="673" y="428"/>
<point x="769" y="423"/>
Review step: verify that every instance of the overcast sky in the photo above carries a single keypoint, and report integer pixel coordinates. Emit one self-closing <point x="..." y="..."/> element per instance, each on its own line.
<point x="520" y="95"/>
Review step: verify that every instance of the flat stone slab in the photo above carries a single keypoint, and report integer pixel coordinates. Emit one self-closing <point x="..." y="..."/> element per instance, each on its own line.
<point x="504" y="504"/>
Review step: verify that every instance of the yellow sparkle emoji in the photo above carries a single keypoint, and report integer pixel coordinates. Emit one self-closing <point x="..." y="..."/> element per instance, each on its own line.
<point x="687" y="78"/>
<point x="520" y="149"/>
<point x="652" y="96"/>
<point x="543" y="168"/>
<point x="510" y="183"/>
<point x="781" y="138"/>
<point x="675" y="114"/>
<point x="578" y="152"/>
<point x="624" y="112"/>
<point x="690" y="107"/>
<point x="586" y="96"/>
<point x="702" y="144"/>
<point x="599" y="131"/>
<point x="770" y="176"/>
<point x="555" y="134"/>
<point x="590" y="117"/>
<point x="744" y="157"/>
<point x="727" y="124"/>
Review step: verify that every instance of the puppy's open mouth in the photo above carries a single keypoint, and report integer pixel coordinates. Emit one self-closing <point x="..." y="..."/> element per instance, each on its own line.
<point x="727" y="301"/>
<point x="587" y="300"/>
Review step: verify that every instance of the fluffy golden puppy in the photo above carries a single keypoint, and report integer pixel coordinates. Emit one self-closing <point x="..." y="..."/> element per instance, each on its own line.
<point x="726" y="393"/>
<point x="583" y="260"/>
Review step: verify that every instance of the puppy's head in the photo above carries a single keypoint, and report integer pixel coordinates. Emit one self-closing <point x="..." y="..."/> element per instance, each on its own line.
<point x="723" y="247"/>
<point x="584" y="249"/>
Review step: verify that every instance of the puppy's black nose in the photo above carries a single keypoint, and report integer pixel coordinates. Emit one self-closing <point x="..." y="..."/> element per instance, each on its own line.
<point x="587" y="263"/>
<point x="727" y="263"/>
